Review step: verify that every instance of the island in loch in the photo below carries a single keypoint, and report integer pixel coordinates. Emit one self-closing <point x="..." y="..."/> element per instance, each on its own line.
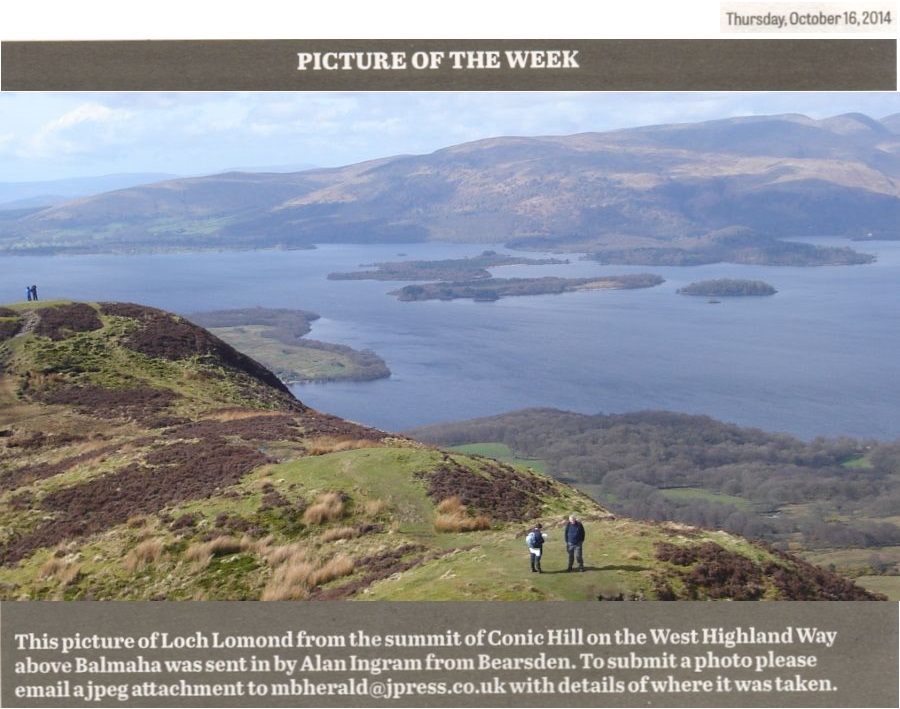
<point x="728" y="287"/>
<point x="457" y="269"/>
<point x="496" y="288"/>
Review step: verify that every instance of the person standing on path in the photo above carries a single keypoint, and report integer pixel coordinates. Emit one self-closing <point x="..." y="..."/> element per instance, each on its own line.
<point x="574" y="535"/>
<point x="33" y="295"/>
<point x="534" y="540"/>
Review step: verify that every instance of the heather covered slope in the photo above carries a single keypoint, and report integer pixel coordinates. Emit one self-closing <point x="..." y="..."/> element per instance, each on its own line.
<point x="143" y="458"/>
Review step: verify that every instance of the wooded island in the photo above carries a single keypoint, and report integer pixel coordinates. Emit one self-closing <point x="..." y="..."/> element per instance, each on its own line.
<point x="728" y="287"/>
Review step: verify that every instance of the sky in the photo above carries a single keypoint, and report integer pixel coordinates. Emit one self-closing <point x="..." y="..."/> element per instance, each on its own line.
<point x="50" y="136"/>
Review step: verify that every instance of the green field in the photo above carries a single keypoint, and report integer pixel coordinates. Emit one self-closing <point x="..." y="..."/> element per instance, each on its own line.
<point x="501" y="452"/>
<point x="888" y="585"/>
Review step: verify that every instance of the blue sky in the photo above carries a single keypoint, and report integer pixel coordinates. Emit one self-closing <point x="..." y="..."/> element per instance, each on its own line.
<point x="47" y="136"/>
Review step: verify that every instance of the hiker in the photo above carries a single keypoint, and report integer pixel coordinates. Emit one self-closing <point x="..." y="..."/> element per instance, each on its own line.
<point x="574" y="535"/>
<point x="534" y="540"/>
<point x="33" y="295"/>
<point x="28" y="292"/>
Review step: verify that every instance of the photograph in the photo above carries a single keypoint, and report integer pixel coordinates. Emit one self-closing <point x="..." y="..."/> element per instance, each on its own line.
<point x="359" y="345"/>
<point x="486" y="333"/>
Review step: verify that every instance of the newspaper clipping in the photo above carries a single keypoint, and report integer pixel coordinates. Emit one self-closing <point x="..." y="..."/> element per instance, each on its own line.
<point x="578" y="423"/>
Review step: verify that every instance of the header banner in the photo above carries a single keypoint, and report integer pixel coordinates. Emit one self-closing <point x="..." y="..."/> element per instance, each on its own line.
<point x="457" y="65"/>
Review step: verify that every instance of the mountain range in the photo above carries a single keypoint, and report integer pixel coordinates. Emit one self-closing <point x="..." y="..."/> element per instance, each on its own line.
<point x="143" y="458"/>
<point x="724" y="190"/>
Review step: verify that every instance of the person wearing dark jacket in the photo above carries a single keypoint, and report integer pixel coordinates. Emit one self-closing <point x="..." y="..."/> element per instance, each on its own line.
<point x="574" y="536"/>
<point x="535" y="539"/>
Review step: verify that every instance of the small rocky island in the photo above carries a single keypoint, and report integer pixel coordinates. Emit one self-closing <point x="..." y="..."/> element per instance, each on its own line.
<point x="726" y="287"/>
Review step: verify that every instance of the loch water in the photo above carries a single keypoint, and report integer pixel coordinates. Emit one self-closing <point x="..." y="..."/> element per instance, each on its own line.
<point x="820" y="357"/>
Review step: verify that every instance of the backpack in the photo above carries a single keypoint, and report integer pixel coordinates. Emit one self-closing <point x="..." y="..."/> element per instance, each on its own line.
<point x="529" y="540"/>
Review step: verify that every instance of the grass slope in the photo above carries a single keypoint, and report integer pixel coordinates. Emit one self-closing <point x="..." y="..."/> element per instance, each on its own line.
<point x="143" y="458"/>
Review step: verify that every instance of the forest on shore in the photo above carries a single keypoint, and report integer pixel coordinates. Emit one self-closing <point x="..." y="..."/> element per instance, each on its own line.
<point x="825" y="493"/>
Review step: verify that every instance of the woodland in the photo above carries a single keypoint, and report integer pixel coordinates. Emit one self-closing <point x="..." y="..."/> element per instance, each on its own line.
<point x="728" y="287"/>
<point x="657" y="465"/>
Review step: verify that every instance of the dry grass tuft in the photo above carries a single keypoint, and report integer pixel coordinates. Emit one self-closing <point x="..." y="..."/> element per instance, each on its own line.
<point x="373" y="508"/>
<point x="459" y="523"/>
<point x="224" y="545"/>
<point x="201" y="554"/>
<point x="52" y="567"/>
<point x="69" y="575"/>
<point x="64" y="572"/>
<point x="334" y="568"/>
<point x="296" y="578"/>
<point x="328" y="508"/>
<point x="454" y="517"/>
<point x="145" y="554"/>
<point x="450" y="505"/>
<point x="333" y="535"/>
<point x="43" y="380"/>
<point x="326" y="445"/>
<point x="198" y="555"/>
<point x="276" y="556"/>
<point x="290" y="582"/>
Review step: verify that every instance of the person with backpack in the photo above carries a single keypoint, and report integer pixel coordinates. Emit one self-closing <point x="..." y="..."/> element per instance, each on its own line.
<point x="534" y="540"/>
<point x="574" y="536"/>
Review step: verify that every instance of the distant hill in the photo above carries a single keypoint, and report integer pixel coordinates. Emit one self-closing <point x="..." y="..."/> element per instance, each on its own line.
<point x="145" y="459"/>
<point x="691" y="193"/>
<point x="14" y="195"/>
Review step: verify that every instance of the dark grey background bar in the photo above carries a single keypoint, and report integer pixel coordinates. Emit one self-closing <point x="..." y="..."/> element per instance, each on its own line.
<point x="604" y="65"/>
<point x="858" y="669"/>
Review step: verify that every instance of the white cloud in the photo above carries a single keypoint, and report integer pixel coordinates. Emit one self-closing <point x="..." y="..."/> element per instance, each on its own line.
<point x="79" y="130"/>
<point x="47" y="135"/>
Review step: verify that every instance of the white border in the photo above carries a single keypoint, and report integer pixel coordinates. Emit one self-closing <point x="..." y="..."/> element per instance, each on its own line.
<point x="355" y="19"/>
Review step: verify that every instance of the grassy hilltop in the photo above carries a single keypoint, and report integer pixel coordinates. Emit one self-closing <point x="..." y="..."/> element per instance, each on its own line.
<point x="144" y="458"/>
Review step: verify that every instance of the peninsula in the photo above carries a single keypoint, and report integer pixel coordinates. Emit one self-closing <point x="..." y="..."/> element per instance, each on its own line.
<point x="276" y="338"/>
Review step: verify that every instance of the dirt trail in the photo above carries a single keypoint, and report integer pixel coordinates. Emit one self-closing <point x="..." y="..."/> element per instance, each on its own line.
<point x="30" y="321"/>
